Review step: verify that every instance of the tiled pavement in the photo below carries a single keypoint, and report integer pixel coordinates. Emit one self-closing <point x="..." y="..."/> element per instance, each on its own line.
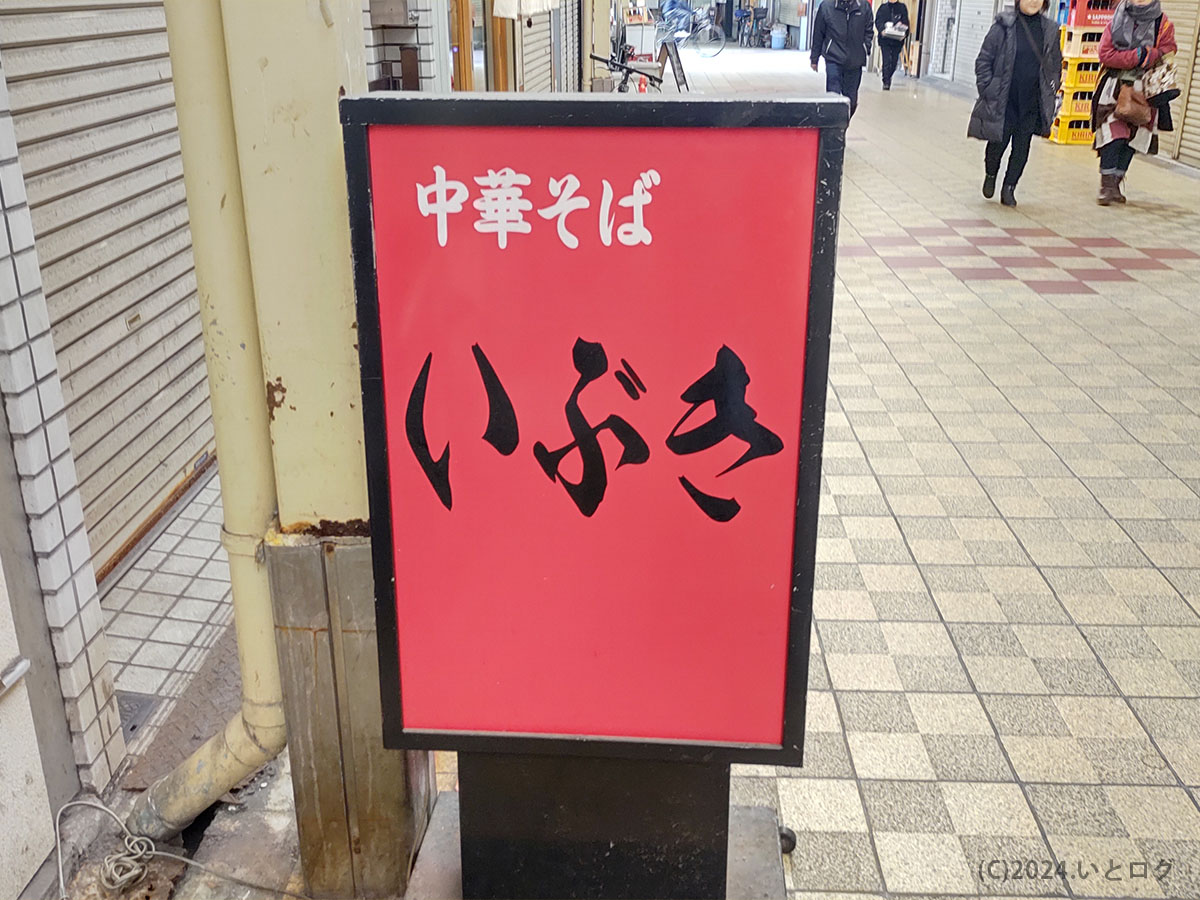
<point x="167" y="610"/>
<point x="1006" y="654"/>
<point x="1006" y="666"/>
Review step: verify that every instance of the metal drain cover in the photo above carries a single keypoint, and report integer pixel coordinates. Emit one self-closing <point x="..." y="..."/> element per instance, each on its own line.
<point x="135" y="710"/>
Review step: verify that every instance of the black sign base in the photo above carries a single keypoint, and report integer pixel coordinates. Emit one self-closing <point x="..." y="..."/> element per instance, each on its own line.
<point x="536" y="827"/>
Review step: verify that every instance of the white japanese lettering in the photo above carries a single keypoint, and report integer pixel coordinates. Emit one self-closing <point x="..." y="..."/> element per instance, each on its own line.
<point x="448" y="197"/>
<point x="502" y="207"/>
<point x="566" y="203"/>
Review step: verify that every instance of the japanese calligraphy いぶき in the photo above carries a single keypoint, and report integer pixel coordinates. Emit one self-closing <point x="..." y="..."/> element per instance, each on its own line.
<point x="723" y="386"/>
<point x="502" y="204"/>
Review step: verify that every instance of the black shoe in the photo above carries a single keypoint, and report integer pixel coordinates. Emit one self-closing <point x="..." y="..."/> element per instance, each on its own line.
<point x="989" y="186"/>
<point x="887" y="87"/>
<point x="1008" y="195"/>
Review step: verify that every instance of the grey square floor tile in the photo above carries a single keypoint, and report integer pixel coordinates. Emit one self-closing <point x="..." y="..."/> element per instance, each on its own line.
<point x="1169" y="717"/>
<point x="967" y="757"/>
<point x="181" y="565"/>
<point x="1074" y="676"/>
<point x="986" y="640"/>
<point x="851" y="637"/>
<point x="1024" y="715"/>
<point x="1125" y="760"/>
<point x="166" y="583"/>
<point x="834" y="862"/>
<point x="825" y="756"/>
<point x="158" y="656"/>
<point x="906" y="806"/>
<point x="192" y="610"/>
<point x="754" y="792"/>
<point x="174" y="631"/>
<point x="131" y="625"/>
<point x="1075" y="811"/>
<point x="1042" y="609"/>
<point x="931" y="673"/>
<point x="148" y="604"/>
<point x="876" y="711"/>
<point x="206" y="589"/>
<point x="1121" y="642"/>
<point x="904" y="606"/>
<point x="1161" y="610"/>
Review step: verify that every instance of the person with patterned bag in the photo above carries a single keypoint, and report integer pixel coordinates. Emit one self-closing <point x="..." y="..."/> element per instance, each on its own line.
<point x="1131" y="103"/>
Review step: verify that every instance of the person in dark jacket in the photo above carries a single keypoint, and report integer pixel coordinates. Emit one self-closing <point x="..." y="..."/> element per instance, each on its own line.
<point x="894" y="12"/>
<point x="842" y="33"/>
<point x="1018" y="73"/>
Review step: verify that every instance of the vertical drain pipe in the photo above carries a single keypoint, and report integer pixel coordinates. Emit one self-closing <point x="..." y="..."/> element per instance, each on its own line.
<point x="195" y="33"/>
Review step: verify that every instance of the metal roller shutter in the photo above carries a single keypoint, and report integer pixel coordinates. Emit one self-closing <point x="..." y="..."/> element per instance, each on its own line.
<point x="975" y="18"/>
<point x="93" y="108"/>
<point x="537" y="62"/>
<point x="570" y="45"/>
<point x="1184" y="142"/>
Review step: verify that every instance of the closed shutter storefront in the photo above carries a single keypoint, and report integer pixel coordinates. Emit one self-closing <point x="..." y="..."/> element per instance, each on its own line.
<point x="93" y="108"/>
<point x="975" y="18"/>
<point x="1184" y="142"/>
<point x="569" y="51"/>
<point x="537" y="63"/>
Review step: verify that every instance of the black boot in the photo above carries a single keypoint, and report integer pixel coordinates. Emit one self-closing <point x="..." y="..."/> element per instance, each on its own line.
<point x="989" y="186"/>
<point x="1008" y="195"/>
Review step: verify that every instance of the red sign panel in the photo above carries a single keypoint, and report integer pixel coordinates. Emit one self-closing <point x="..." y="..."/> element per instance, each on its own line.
<point x="590" y="347"/>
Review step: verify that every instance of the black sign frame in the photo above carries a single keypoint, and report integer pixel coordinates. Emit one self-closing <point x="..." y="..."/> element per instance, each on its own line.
<point x="830" y="118"/>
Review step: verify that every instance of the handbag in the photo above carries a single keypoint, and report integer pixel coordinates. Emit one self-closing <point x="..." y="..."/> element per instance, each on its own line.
<point x="1132" y="107"/>
<point x="1162" y="82"/>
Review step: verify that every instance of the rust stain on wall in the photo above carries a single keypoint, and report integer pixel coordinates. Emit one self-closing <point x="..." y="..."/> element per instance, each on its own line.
<point x="275" y="394"/>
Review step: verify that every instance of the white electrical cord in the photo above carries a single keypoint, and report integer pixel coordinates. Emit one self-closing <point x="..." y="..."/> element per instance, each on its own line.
<point x="124" y="869"/>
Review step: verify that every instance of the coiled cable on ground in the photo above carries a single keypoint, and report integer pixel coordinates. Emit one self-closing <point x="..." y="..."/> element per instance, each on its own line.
<point x="122" y="870"/>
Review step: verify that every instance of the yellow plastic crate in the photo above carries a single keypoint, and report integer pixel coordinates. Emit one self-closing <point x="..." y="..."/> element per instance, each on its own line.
<point x="1076" y="103"/>
<point x="1080" y="73"/>
<point x="1071" y="131"/>
<point x="1080" y="43"/>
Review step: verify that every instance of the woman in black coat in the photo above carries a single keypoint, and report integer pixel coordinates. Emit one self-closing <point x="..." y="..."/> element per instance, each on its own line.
<point x="1018" y="73"/>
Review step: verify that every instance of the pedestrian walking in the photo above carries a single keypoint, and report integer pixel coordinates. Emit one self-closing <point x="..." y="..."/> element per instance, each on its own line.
<point x="842" y="33"/>
<point x="1131" y="103"/>
<point x="891" y="21"/>
<point x="1018" y="73"/>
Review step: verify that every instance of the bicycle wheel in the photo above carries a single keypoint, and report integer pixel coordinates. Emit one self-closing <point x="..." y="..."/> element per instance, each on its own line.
<point x="709" y="40"/>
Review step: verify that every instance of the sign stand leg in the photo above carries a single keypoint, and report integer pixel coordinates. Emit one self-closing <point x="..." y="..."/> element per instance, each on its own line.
<point x="536" y="826"/>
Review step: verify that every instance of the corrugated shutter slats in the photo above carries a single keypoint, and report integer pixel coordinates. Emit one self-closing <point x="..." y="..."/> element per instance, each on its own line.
<point x="537" y="63"/>
<point x="93" y="109"/>
<point x="1185" y="140"/>
<point x="975" y="18"/>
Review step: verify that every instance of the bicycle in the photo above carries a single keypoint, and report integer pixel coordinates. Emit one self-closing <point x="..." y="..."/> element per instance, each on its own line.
<point x="752" y="30"/>
<point x="614" y="65"/>
<point x="696" y="28"/>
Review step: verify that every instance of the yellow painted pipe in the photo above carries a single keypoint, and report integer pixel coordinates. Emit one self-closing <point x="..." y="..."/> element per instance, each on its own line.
<point x="195" y="33"/>
<point x="288" y="63"/>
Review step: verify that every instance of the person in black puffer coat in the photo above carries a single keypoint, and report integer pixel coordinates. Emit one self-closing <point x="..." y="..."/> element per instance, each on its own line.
<point x="1018" y="73"/>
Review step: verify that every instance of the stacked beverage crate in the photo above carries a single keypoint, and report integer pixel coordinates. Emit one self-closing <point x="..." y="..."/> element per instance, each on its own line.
<point x="1082" y="24"/>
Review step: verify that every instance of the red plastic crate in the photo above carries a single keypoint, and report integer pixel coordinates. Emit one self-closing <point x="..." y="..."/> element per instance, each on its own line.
<point x="1090" y="12"/>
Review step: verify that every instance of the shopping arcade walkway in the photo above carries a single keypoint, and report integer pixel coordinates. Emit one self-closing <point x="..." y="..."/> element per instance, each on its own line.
<point x="1007" y="657"/>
